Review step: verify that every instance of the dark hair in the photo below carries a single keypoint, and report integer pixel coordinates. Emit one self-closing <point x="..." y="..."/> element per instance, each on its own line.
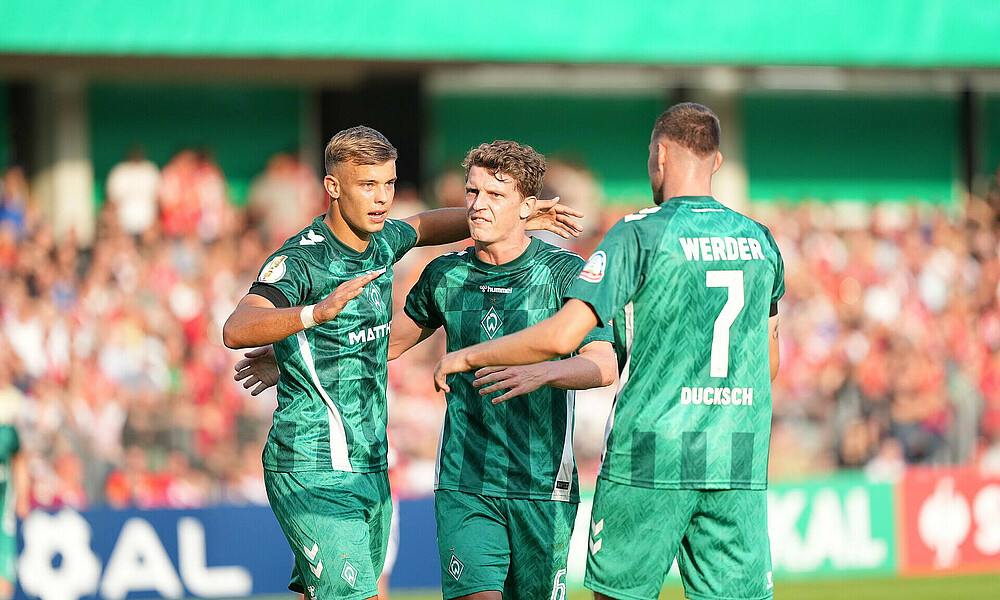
<point x="359" y="145"/>
<point x="691" y="125"/>
<point x="522" y="163"/>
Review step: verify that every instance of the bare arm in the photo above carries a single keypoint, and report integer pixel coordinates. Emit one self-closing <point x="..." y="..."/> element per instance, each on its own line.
<point x="556" y="336"/>
<point x="256" y="322"/>
<point x="595" y="366"/>
<point x="447" y="225"/>
<point x="405" y="333"/>
<point x="22" y="484"/>
<point x="775" y="358"/>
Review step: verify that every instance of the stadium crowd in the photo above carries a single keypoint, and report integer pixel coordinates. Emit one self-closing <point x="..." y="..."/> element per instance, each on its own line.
<point x="114" y="371"/>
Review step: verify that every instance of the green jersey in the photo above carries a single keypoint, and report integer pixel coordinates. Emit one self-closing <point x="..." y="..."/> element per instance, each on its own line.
<point x="522" y="448"/>
<point x="331" y="411"/>
<point x="10" y="444"/>
<point x="690" y="285"/>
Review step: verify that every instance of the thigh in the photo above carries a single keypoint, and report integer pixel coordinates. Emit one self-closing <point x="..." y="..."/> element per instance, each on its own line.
<point x="726" y="552"/>
<point x="324" y="516"/>
<point x="472" y="542"/>
<point x="539" y="532"/>
<point x="634" y="535"/>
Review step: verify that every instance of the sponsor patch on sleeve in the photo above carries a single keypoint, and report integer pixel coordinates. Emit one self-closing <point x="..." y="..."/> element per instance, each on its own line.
<point x="593" y="271"/>
<point x="273" y="271"/>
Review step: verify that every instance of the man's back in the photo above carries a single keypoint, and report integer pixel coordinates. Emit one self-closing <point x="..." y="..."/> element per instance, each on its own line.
<point x="695" y="283"/>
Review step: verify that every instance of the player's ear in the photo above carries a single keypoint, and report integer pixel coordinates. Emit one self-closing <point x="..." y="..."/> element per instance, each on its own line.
<point x="332" y="186"/>
<point x="718" y="162"/>
<point x="661" y="155"/>
<point x="527" y="206"/>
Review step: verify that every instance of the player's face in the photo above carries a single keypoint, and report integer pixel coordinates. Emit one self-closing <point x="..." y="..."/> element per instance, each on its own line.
<point x="364" y="194"/>
<point x="655" y="171"/>
<point x="496" y="210"/>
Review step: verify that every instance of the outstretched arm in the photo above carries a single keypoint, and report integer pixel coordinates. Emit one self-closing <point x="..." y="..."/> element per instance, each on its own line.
<point x="447" y="225"/>
<point x="595" y="366"/>
<point x="556" y="336"/>
<point x="256" y="321"/>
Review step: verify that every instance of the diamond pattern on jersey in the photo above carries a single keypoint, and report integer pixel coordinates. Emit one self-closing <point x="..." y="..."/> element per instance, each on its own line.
<point x="515" y="449"/>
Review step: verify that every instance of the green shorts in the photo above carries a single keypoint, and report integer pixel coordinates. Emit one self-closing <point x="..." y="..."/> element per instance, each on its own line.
<point x="337" y="525"/>
<point x="719" y="538"/>
<point x="517" y="547"/>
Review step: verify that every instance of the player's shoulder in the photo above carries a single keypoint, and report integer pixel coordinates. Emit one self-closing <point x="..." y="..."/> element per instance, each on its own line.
<point x="553" y="255"/>
<point x="448" y="261"/>
<point x="310" y="242"/>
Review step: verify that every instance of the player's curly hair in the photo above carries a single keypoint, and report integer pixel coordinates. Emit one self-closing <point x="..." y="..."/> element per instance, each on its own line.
<point x="358" y="145"/>
<point x="520" y="162"/>
<point x="691" y="125"/>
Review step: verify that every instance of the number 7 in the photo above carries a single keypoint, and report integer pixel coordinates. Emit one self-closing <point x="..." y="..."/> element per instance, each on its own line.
<point x="733" y="280"/>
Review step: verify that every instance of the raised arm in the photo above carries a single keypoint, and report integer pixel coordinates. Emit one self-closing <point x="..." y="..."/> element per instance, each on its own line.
<point x="595" y="366"/>
<point x="556" y="336"/>
<point x="447" y="225"/>
<point x="257" y="322"/>
<point x="405" y="333"/>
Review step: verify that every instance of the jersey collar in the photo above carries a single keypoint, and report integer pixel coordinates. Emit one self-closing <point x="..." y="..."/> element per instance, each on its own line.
<point x="518" y="262"/>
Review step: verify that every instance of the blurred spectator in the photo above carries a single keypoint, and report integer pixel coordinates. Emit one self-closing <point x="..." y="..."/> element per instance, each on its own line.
<point x="133" y="187"/>
<point x="117" y="377"/>
<point x="283" y="197"/>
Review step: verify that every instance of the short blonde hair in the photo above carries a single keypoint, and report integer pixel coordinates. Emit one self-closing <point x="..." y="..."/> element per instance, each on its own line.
<point x="358" y="145"/>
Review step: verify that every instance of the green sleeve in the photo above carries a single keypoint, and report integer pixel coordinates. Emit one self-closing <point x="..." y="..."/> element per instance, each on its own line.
<point x="401" y="237"/>
<point x="613" y="275"/>
<point x="420" y="305"/>
<point x="779" y="272"/>
<point x="289" y="274"/>
<point x="566" y="273"/>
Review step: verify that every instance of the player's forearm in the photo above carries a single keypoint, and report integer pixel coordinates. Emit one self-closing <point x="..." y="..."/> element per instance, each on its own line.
<point x="252" y="326"/>
<point x="581" y="372"/>
<point x="440" y="226"/>
<point x="538" y="343"/>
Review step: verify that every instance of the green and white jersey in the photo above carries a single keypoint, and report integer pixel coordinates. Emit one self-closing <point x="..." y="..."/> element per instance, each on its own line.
<point x="690" y="285"/>
<point x="522" y="448"/>
<point x="331" y="411"/>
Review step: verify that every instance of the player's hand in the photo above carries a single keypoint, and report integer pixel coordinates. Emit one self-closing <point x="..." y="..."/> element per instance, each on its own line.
<point x="453" y="362"/>
<point x="258" y="369"/>
<point x="557" y="218"/>
<point x="329" y="307"/>
<point x="516" y="380"/>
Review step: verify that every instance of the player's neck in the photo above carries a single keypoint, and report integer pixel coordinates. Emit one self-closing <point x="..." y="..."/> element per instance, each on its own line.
<point x="687" y="186"/>
<point x="687" y="178"/>
<point x="502" y="251"/>
<point x="342" y="230"/>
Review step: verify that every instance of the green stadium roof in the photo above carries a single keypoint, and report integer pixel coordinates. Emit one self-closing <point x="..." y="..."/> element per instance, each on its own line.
<point x="863" y="33"/>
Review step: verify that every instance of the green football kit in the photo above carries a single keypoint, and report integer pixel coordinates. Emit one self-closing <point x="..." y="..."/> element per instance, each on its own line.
<point x="506" y="488"/>
<point x="690" y="285"/>
<point x="325" y="456"/>
<point x="10" y="444"/>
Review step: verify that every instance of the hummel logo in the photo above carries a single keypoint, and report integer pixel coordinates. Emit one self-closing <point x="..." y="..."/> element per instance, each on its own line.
<point x="311" y="238"/>
<point x="349" y="574"/>
<point x="311" y="553"/>
<point x="596" y="529"/>
<point x="455" y="567"/>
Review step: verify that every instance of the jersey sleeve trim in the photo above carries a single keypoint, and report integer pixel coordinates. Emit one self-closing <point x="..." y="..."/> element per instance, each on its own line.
<point x="418" y="321"/>
<point x="273" y="294"/>
<point x="774" y="309"/>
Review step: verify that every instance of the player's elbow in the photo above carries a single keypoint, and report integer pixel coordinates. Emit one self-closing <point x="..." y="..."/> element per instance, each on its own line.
<point x="561" y="345"/>
<point x="232" y="336"/>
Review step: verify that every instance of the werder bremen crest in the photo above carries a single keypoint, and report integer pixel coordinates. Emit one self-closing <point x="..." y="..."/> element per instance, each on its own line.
<point x="492" y="322"/>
